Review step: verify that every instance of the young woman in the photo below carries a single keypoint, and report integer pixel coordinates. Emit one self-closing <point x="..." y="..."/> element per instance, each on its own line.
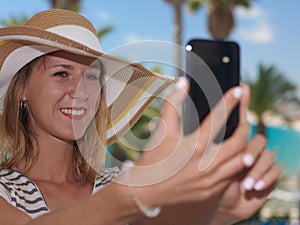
<point x="63" y="101"/>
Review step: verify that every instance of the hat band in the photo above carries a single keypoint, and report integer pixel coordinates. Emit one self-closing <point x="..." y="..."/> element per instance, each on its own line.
<point x="78" y="34"/>
<point x="20" y="57"/>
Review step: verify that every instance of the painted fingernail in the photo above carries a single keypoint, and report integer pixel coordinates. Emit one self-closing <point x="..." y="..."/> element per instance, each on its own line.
<point x="259" y="185"/>
<point x="181" y="82"/>
<point x="248" y="183"/>
<point x="248" y="160"/>
<point x="237" y="92"/>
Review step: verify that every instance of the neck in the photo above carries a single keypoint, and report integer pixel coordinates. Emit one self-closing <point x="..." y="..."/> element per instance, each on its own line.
<point x="55" y="161"/>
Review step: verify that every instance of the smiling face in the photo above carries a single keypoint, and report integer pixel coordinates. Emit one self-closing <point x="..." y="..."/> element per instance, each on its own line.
<point x="63" y="95"/>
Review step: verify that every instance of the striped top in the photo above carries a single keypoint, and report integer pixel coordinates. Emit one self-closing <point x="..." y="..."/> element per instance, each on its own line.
<point x="21" y="192"/>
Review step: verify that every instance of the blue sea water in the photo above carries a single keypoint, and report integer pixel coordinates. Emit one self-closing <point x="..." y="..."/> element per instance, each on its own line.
<point x="285" y="143"/>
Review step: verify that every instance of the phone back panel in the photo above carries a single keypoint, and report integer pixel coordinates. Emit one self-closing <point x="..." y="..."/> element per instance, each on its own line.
<point x="212" y="67"/>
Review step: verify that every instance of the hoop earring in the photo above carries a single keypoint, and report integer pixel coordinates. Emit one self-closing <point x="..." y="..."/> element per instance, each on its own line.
<point x="23" y="105"/>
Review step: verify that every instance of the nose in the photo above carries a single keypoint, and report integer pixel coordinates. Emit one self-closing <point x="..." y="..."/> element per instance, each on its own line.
<point x="78" y="89"/>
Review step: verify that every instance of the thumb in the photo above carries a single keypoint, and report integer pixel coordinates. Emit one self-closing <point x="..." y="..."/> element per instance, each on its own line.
<point x="172" y="105"/>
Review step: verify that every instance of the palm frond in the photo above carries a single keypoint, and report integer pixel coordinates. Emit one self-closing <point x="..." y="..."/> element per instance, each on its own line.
<point x="104" y="31"/>
<point x="270" y="87"/>
<point x="194" y="5"/>
<point x="13" y="21"/>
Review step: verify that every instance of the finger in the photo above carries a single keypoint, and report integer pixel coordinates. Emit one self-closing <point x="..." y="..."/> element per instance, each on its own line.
<point x="234" y="144"/>
<point x="244" y="103"/>
<point x="243" y="128"/>
<point x="269" y="179"/>
<point x="228" y="168"/>
<point x="222" y="175"/>
<point x="214" y="122"/>
<point x="239" y="139"/>
<point x="172" y="103"/>
<point x="254" y="149"/>
<point x="239" y="143"/>
<point x="263" y="164"/>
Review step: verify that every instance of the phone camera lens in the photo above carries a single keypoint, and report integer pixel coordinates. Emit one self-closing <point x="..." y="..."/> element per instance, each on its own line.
<point x="225" y="59"/>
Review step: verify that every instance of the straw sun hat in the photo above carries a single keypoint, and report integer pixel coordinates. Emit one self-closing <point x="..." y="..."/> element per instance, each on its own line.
<point x="130" y="87"/>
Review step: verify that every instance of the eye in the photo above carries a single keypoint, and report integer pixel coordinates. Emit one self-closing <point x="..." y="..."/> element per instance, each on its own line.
<point x="60" y="74"/>
<point x="91" y="74"/>
<point x="91" y="77"/>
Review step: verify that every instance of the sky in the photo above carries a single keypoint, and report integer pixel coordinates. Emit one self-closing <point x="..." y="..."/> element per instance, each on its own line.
<point x="267" y="33"/>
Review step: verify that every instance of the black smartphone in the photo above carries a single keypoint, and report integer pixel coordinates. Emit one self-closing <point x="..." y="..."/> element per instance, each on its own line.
<point x="212" y="67"/>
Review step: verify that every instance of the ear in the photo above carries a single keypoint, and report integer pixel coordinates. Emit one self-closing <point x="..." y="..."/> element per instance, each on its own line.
<point x="22" y="94"/>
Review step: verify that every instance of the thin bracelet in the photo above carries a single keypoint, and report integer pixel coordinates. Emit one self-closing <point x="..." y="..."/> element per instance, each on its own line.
<point x="150" y="213"/>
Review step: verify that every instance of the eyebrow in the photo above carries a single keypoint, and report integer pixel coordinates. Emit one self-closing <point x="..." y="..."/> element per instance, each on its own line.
<point x="94" y="65"/>
<point x="67" y="66"/>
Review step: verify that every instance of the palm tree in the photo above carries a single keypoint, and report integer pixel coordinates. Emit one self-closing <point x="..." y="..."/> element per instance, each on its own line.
<point x="178" y="30"/>
<point x="13" y="21"/>
<point x="74" y="5"/>
<point x="220" y="19"/>
<point x="220" y="15"/>
<point x="270" y="88"/>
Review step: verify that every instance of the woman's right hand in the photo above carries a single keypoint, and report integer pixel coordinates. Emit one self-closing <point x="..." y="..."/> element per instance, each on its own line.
<point x="169" y="171"/>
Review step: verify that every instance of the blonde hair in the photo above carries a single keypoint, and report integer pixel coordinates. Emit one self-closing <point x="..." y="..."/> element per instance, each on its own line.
<point x="16" y="136"/>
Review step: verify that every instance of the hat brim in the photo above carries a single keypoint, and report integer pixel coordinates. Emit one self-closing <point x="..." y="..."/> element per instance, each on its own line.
<point x="130" y="86"/>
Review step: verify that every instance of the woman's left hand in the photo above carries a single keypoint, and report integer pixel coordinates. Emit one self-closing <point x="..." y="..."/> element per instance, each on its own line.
<point x="247" y="193"/>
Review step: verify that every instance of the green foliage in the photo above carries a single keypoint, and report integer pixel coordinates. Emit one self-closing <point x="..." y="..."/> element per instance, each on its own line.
<point x="270" y="87"/>
<point x="104" y="31"/>
<point x="194" y="5"/>
<point x="13" y="21"/>
<point x="244" y="3"/>
<point x="74" y="5"/>
<point x="157" y="69"/>
<point x="130" y="145"/>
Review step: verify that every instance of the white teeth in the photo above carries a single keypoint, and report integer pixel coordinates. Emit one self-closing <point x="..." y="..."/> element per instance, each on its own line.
<point x="73" y="112"/>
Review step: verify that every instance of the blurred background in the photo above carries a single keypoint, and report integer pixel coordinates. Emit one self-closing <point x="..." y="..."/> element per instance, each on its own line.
<point x="267" y="34"/>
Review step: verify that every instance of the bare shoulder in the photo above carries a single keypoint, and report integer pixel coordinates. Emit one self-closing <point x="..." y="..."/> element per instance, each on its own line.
<point x="12" y="215"/>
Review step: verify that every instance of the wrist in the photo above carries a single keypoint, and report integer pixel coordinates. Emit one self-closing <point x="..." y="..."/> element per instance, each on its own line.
<point x="222" y="218"/>
<point x="147" y="209"/>
<point x="114" y="198"/>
